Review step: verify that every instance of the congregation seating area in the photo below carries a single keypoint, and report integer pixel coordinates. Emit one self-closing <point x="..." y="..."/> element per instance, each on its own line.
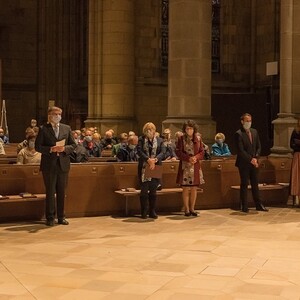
<point x="92" y="188"/>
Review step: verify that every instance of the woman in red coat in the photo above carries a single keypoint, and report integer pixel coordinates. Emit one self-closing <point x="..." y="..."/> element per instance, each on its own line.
<point x="190" y="152"/>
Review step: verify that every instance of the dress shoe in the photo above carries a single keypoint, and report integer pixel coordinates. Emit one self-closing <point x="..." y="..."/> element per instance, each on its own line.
<point x="63" y="222"/>
<point x="50" y="223"/>
<point x="261" y="207"/>
<point x="144" y="216"/>
<point x="153" y="215"/>
<point x="187" y="213"/>
<point x="194" y="213"/>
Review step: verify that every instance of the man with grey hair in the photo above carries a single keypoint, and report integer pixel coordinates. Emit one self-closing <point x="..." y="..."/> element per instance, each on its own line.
<point x="55" y="141"/>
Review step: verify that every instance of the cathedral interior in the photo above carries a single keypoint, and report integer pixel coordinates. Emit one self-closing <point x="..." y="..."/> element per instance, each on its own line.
<point x="119" y="64"/>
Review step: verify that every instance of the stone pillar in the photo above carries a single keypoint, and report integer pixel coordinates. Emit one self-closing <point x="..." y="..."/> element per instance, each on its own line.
<point x="111" y="65"/>
<point x="189" y="77"/>
<point x="53" y="55"/>
<point x="289" y="79"/>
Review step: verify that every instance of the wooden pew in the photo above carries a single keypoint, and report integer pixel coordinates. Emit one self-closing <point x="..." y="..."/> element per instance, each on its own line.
<point x="270" y="194"/>
<point x="91" y="186"/>
<point x="168" y="198"/>
<point x="16" y="179"/>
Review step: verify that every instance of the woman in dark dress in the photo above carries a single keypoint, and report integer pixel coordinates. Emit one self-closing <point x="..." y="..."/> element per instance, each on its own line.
<point x="190" y="152"/>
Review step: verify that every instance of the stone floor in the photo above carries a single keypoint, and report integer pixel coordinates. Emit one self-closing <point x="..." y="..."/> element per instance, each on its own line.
<point x="222" y="254"/>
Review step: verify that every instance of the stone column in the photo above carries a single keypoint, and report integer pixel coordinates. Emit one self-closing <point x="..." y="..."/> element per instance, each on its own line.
<point x="189" y="77"/>
<point x="111" y="65"/>
<point x="53" y="55"/>
<point x="289" y="78"/>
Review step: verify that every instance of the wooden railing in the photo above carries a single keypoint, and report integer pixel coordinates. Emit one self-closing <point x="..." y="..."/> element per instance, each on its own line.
<point x="91" y="186"/>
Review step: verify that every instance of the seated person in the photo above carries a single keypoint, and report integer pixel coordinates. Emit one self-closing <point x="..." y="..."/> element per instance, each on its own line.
<point x="93" y="147"/>
<point x="4" y="137"/>
<point x="29" y="155"/>
<point x="108" y="141"/>
<point x="128" y="151"/>
<point x="33" y="125"/>
<point x="131" y="133"/>
<point x="29" y="131"/>
<point x="219" y="148"/>
<point x="170" y="146"/>
<point x="115" y="138"/>
<point x="178" y="134"/>
<point x="205" y="147"/>
<point x="79" y="155"/>
<point x="2" y="151"/>
<point x="75" y="136"/>
<point x="116" y="147"/>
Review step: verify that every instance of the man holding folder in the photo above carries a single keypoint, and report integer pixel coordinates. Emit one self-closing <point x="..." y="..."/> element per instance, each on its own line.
<point x="56" y="143"/>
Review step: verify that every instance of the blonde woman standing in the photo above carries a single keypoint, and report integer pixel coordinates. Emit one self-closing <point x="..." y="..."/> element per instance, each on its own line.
<point x="151" y="152"/>
<point x="190" y="152"/>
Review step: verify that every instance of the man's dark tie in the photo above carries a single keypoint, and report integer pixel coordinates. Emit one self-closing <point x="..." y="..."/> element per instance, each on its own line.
<point x="249" y="135"/>
<point x="56" y="131"/>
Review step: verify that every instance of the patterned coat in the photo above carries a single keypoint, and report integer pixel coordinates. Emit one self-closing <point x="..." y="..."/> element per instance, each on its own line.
<point x="183" y="156"/>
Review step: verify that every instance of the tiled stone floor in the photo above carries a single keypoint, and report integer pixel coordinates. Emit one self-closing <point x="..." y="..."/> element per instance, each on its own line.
<point x="222" y="254"/>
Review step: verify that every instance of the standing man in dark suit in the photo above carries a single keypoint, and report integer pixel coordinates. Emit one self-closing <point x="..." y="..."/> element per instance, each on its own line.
<point x="55" y="141"/>
<point x="248" y="149"/>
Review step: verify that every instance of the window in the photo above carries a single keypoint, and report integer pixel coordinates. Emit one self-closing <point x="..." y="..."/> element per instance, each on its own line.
<point x="215" y="39"/>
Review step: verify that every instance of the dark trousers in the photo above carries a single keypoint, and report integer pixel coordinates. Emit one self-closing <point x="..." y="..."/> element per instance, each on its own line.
<point x="249" y="173"/>
<point x="148" y="195"/>
<point x="55" y="183"/>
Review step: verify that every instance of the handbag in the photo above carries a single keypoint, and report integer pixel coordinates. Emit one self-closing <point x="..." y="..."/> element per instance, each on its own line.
<point x="155" y="173"/>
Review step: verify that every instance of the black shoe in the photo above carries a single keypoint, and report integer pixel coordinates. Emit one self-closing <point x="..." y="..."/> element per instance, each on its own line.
<point x="50" y="223"/>
<point x="245" y="210"/>
<point x="194" y="213"/>
<point x="187" y="213"/>
<point x="153" y="215"/>
<point x="159" y="187"/>
<point x="144" y="216"/>
<point x="63" y="222"/>
<point x="261" y="207"/>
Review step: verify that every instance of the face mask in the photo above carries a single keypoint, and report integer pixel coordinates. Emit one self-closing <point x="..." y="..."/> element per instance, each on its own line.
<point x="31" y="144"/>
<point x="150" y="134"/>
<point x="88" y="138"/>
<point x="220" y="141"/>
<point x="56" y="119"/>
<point x="131" y="147"/>
<point x="247" y="125"/>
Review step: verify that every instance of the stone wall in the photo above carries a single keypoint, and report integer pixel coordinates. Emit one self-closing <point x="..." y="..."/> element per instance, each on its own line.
<point x="18" y="52"/>
<point x="43" y="48"/>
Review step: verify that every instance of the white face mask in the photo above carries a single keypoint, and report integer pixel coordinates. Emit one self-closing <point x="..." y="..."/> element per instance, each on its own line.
<point x="31" y="144"/>
<point x="220" y="141"/>
<point x="56" y="119"/>
<point x="247" y="125"/>
<point x="88" y="138"/>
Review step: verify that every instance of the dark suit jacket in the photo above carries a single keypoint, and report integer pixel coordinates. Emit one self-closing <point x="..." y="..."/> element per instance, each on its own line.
<point x="46" y="139"/>
<point x="245" y="149"/>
